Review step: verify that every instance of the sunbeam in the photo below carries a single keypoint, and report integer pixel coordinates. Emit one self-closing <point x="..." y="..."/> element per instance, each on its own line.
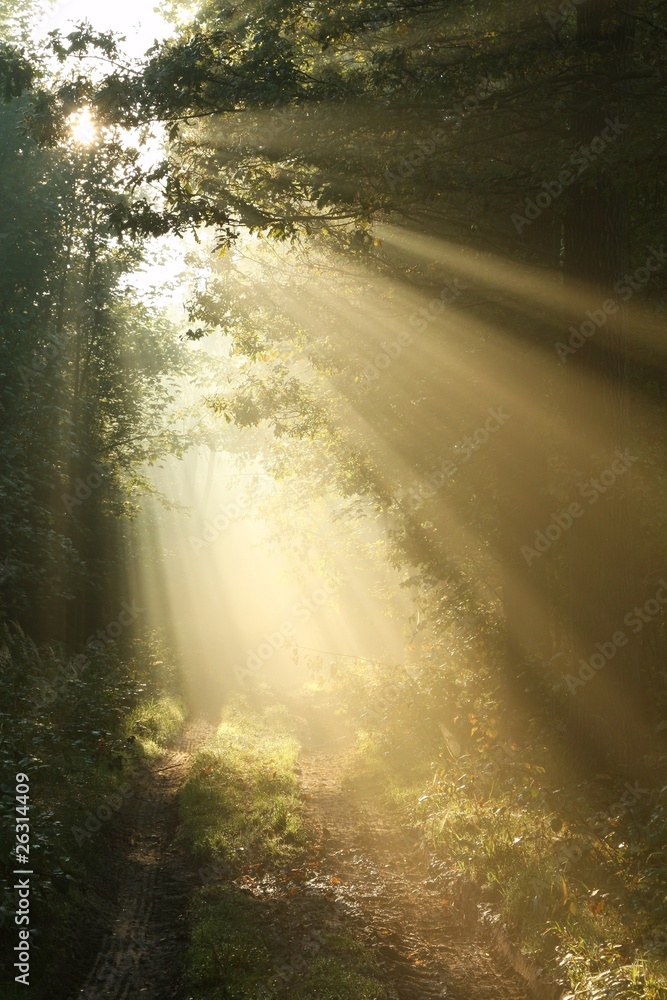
<point x="333" y="548"/>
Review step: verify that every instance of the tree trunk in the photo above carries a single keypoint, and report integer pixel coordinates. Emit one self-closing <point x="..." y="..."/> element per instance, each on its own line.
<point x="603" y="694"/>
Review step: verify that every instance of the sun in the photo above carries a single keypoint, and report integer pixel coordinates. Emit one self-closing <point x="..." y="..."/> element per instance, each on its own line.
<point x="82" y="127"/>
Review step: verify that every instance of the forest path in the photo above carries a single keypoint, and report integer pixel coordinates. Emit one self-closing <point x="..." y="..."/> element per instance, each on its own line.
<point x="140" y="904"/>
<point x="364" y="876"/>
<point x="383" y="882"/>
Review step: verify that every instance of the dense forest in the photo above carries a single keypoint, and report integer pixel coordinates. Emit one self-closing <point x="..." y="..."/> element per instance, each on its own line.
<point x="333" y="545"/>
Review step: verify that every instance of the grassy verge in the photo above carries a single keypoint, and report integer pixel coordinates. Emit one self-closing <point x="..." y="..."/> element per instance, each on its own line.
<point x="576" y="874"/>
<point x="74" y="726"/>
<point x="152" y="724"/>
<point x="242" y="796"/>
<point x="242" y="819"/>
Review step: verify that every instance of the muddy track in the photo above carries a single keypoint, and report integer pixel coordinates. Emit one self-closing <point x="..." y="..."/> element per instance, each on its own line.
<point x="427" y="942"/>
<point x="140" y="903"/>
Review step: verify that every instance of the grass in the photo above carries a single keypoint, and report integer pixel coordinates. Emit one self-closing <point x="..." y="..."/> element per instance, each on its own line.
<point x="242" y="795"/>
<point x="345" y="973"/>
<point x="241" y="810"/>
<point x="579" y="888"/>
<point x="236" y="955"/>
<point x="79" y="750"/>
<point x="229" y="956"/>
<point x="574" y="870"/>
<point x="154" y="723"/>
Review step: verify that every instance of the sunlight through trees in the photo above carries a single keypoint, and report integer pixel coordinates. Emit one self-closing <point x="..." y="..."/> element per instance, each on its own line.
<point x="333" y="389"/>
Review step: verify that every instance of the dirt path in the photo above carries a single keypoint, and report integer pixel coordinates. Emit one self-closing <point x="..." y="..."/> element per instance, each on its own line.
<point x="391" y="890"/>
<point x="362" y="876"/>
<point x="139" y="902"/>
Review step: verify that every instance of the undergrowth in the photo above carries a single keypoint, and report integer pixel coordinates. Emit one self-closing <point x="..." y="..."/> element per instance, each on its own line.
<point x="155" y="722"/>
<point x="574" y="871"/>
<point x="241" y="816"/>
<point x="77" y="726"/>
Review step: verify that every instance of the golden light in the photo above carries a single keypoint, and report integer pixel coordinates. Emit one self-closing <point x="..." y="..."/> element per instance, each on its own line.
<point x="82" y="127"/>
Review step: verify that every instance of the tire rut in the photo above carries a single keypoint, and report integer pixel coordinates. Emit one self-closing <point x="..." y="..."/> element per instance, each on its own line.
<point x="427" y="942"/>
<point x="145" y="921"/>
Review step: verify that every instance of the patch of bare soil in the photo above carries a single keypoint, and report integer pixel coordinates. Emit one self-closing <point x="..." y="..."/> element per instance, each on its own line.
<point x="427" y="942"/>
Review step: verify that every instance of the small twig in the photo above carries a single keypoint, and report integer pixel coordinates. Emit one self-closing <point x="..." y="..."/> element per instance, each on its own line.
<point x="157" y="770"/>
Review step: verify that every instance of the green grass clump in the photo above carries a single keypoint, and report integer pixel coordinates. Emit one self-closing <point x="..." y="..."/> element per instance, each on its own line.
<point x="235" y="954"/>
<point x="242" y="794"/>
<point x="242" y="803"/>
<point x="600" y="973"/>
<point x="228" y="957"/>
<point x="154" y="723"/>
<point x="346" y="972"/>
